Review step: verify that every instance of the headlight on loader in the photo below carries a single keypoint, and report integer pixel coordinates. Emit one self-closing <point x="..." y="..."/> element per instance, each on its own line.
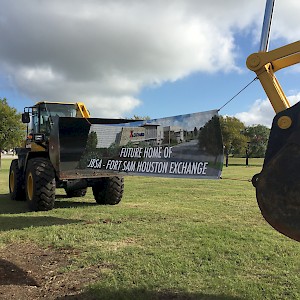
<point x="39" y="137"/>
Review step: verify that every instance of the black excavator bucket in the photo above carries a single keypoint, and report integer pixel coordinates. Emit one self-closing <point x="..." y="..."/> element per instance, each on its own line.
<point x="278" y="184"/>
<point x="188" y="146"/>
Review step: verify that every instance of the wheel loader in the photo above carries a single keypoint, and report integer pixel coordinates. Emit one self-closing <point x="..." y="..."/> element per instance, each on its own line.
<point x="56" y="140"/>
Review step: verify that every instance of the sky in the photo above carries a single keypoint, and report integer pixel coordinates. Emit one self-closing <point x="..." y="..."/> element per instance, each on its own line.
<point x="147" y="58"/>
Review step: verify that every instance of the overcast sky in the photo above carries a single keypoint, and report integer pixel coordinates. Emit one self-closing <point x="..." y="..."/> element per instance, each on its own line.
<point x="156" y="58"/>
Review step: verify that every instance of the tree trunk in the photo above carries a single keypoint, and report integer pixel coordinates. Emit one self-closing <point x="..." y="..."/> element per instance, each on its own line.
<point x="227" y="156"/>
<point x="247" y="158"/>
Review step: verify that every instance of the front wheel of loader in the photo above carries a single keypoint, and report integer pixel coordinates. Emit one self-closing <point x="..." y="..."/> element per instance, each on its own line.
<point x="40" y="184"/>
<point x="109" y="190"/>
<point x="16" y="188"/>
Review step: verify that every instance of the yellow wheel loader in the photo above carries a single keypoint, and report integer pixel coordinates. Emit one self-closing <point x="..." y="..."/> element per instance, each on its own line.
<point x="56" y="140"/>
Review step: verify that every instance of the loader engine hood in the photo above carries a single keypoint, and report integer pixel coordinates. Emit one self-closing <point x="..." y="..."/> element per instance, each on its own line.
<point x="185" y="146"/>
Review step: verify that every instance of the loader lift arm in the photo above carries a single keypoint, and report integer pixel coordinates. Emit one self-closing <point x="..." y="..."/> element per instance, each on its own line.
<point x="278" y="184"/>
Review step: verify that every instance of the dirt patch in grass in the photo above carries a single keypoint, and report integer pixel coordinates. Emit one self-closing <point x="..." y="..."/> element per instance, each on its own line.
<point x="30" y="272"/>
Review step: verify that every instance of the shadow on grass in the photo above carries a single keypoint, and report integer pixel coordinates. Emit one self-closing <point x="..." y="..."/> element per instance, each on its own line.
<point x="10" y="274"/>
<point x="7" y="206"/>
<point x="62" y="201"/>
<point x="8" y="221"/>
<point x="142" y="294"/>
<point x="21" y="222"/>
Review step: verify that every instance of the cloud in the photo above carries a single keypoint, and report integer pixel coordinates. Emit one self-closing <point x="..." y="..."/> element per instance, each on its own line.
<point x="261" y="112"/>
<point x="285" y="21"/>
<point x="105" y="52"/>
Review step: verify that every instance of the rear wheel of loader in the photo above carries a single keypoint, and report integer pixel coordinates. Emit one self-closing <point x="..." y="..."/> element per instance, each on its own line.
<point x="40" y="184"/>
<point x="71" y="193"/>
<point x="16" y="181"/>
<point x="109" y="190"/>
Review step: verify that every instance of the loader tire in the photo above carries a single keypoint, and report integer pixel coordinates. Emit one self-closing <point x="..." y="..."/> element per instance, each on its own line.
<point x="75" y="193"/>
<point x="109" y="190"/>
<point x="40" y="184"/>
<point x="16" y="182"/>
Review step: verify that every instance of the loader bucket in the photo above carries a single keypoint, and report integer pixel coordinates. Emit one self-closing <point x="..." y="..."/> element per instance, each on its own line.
<point x="185" y="146"/>
<point x="68" y="142"/>
<point x="277" y="186"/>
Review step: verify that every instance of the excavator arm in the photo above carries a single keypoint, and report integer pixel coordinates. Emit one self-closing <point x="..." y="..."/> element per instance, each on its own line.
<point x="265" y="64"/>
<point x="278" y="184"/>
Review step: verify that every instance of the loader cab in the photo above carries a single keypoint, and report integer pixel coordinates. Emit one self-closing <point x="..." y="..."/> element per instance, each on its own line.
<point x="41" y="116"/>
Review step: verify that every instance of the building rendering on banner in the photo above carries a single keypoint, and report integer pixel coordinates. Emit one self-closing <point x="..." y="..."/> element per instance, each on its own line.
<point x="149" y="133"/>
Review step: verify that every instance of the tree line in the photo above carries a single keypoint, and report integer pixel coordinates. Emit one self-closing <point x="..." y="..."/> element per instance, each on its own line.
<point x="240" y="140"/>
<point x="12" y="130"/>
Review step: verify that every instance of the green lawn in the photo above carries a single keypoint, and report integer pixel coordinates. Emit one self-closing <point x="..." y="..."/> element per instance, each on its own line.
<point x="167" y="239"/>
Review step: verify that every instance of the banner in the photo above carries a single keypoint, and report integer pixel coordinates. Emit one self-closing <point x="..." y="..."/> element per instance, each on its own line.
<point x="184" y="146"/>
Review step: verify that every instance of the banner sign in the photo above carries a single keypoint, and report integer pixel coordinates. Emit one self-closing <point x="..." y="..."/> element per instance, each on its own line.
<point x="184" y="146"/>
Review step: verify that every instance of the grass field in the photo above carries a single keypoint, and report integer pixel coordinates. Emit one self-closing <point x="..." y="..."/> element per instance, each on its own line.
<point x="167" y="239"/>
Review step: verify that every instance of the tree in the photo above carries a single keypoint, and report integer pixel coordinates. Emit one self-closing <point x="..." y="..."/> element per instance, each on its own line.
<point x="257" y="136"/>
<point x="234" y="139"/>
<point x="12" y="130"/>
<point x="136" y="117"/>
<point x="210" y="138"/>
<point x="235" y="142"/>
<point x="92" y="141"/>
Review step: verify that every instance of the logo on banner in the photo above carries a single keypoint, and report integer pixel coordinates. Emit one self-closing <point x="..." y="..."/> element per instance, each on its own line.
<point x="136" y="134"/>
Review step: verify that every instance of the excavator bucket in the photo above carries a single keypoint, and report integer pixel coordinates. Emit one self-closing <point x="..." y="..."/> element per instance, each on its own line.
<point x="188" y="146"/>
<point x="278" y="185"/>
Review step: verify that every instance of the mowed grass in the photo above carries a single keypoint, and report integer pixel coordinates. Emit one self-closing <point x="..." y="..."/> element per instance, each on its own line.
<point x="167" y="239"/>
